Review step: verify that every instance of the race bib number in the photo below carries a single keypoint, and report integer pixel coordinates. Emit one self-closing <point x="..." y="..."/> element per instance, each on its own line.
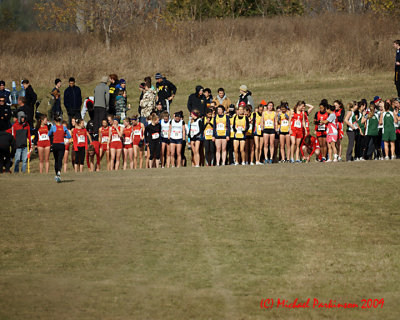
<point x="43" y="137"/>
<point x="285" y="123"/>
<point x="259" y="128"/>
<point x="194" y="131"/>
<point x="155" y="135"/>
<point x="239" y="130"/>
<point x="221" y="126"/>
<point x="115" y="137"/>
<point x="176" y="134"/>
<point x="104" y="139"/>
<point x="66" y="141"/>
<point x="250" y="127"/>
<point x="128" y="140"/>
<point x="321" y="127"/>
<point x="269" y="123"/>
<point x="297" y="124"/>
<point x="164" y="134"/>
<point x="81" y="139"/>
<point x="209" y="132"/>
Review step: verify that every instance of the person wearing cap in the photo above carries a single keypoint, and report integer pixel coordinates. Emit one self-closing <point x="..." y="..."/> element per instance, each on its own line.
<point x="72" y="100"/>
<point x="5" y="93"/>
<point x="222" y="99"/>
<point x="5" y="114"/>
<point x="245" y="95"/>
<point x="197" y="101"/>
<point x="121" y="85"/>
<point x="21" y="133"/>
<point x="166" y="91"/>
<point x="30" y="99"/>
<point x="396" y="45"/>
<point x="101" y="102"/>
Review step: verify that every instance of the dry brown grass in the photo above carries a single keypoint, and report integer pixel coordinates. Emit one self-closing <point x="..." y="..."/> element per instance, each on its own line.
<point x="241" y="48"/>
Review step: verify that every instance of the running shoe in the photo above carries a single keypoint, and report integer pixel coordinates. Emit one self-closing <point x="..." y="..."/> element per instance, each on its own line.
<point x="265" y="161"/>
<point x="298" y="161"/>
<point x="244" y="163"/>
<point x="329" y="160"/>
<point x="386" y="158"/>
<point x="393" y="158"/>
<point x="291" y="161"/>
<point x="252" y="163"/>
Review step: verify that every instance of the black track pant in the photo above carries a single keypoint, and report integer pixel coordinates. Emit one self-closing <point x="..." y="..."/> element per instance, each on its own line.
<point x="58" y="151"/>
<point x="155" y="149"/>
<point x="209" y="148"/>
<point x="376" y="147"/>
<point x="5" y="159"/>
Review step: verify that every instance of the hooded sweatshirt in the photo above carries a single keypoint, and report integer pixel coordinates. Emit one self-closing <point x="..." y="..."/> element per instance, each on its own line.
<point x="197" y="101"/>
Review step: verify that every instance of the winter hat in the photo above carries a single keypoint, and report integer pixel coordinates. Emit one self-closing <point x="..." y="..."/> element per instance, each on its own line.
<point x="242" y="103"/>
<point x="122" y="81"/>
<point x="104" y="79"/>
<point x="20" y="115"/>
<point x="158" y="76"/>
<point x="2" y="83"/>
<point x="263" y="102"/>
<point x="243" y="88"/>
<point x="377" y="99"/>
<point x="141" y="86"/>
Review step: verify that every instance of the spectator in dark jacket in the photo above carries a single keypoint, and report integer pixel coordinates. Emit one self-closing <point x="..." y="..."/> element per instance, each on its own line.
<point x="5" y="114"/>
<point x="7" y="151"/>
<point x="72" y="100"/>
<point x="21" y="132"/>
<point x="166" y="91"/>
<point x="5" y="92"/>
<point x="55" y="101"/>
<point x="31" y="98"/>
<point x="22" y="105"/>
<point x="114" y="82"/>
<point x="197" y="101"/>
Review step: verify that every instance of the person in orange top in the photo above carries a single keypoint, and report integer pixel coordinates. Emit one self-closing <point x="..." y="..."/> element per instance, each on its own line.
<point x="43" y="143"/>
<point x="127" y="136"/>
<point x="115" y="144"/>
<point x="80" y="138"/>
<point x="104" y="132"/>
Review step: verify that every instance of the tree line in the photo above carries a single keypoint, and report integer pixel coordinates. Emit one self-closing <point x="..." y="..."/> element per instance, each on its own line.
<point x="105" y="17"/>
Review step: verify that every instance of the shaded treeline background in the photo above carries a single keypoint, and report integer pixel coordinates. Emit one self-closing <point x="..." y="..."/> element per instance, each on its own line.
<point x="234" y="48"/>
<point x="187" y="39"/>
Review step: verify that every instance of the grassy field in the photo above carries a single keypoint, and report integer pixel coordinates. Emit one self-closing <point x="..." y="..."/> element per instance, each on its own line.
<point x="207" y="243"/>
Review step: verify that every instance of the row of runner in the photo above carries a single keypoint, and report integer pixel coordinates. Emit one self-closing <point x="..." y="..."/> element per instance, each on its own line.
<point x="238" y="136"/>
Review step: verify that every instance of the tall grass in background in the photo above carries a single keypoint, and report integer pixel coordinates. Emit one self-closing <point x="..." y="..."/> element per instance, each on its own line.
<point x="239" y="48"/>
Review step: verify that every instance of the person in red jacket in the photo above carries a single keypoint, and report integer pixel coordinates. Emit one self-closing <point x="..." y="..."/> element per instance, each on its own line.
<point x="309" y="146"/>
<point x="22" y="135"/>
<point x="80" y="137"/>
